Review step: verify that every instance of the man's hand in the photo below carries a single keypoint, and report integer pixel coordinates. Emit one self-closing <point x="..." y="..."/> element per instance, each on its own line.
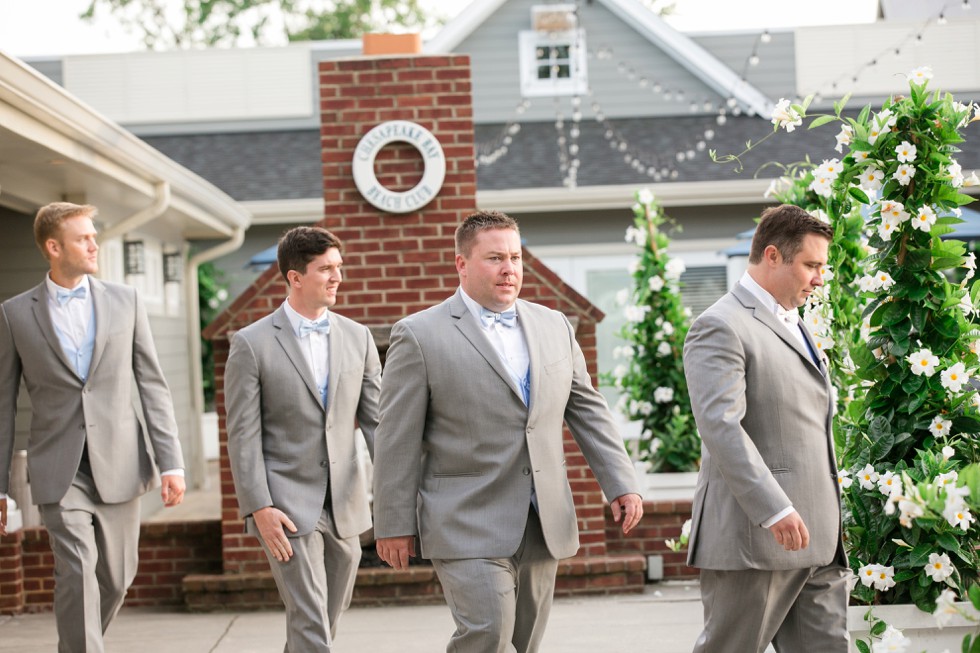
<point x="3" y="516"/>
<point x="791" y="532"/>
<point x="630" y="505"/>
<point x="270" y="522"/>
<point x="172" y="489"/>
<point x="397" y="550"/>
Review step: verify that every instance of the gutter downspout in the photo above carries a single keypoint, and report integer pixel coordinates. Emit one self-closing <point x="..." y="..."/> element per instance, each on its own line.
<point x="161" y="201"/>
<point x="194" y="328"/>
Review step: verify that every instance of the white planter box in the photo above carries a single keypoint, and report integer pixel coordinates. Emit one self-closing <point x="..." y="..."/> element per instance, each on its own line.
<point x="668" y="486"/>
<point x="915" y="624"/>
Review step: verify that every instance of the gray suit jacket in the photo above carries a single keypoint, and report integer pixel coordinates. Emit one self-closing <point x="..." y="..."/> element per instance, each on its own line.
<point x="764" y="410"/>
<point x="457" y="449"/>
<point x="283" y="445"/>
<point x="68" y="412"/>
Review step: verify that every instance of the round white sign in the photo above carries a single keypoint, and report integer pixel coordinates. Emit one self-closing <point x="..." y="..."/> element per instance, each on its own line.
<point x="432" y="156"/>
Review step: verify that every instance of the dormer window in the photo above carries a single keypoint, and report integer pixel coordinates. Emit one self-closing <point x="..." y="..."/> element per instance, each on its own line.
<point x="552" y="55"/>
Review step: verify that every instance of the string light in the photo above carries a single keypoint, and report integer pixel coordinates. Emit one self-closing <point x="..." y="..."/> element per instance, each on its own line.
<point x="490" y="151"/>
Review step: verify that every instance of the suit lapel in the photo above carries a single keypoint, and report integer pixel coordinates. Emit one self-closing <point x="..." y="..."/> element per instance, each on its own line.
<point x="472" y="331"/>
<point x="290" y="343"/>
<point x="335" y="344"/>
<point x="532" y="335"/>
<point x="762" y="314"/>
<point x="42" y="316"/>
<point x="102" y="305"/>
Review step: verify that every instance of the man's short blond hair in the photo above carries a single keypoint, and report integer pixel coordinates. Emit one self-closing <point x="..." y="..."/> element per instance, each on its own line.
<point x="50" y="218"/>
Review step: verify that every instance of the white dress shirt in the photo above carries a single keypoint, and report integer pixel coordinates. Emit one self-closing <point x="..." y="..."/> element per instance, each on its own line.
<point x="767" y="300"/>
<point x="314" y="345"/>
<point x="509" y="343"/>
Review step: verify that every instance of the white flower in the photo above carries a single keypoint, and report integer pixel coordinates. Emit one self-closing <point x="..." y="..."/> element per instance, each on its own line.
<point x="829" y="169"/>
<point x="884" y="280"/>
<point x="886" y="229"/>
<point x="895" y="211"/>
<point x="860" y="156"/>
<point x="920" y="75"/>
<point x="924" y="219"/>
<point x="826" y="273"/>
<point x="663" y="395"/>
<point x="955" y="173"/>
<point x="948" y="451"/>
<point x="966" y="305"/>
<point x="636" y="235"/>
<point x="633" y="267"/>
<point x="644" y="196"/>
<point x="970" y="263"/>
<point x="904" y="174"/>
<point x="923" y="362"/>
<point x="623" y="296"/>
<point x="867" y="477"/>
<point x="844" y="137"/>
<point x="867" y="574"/>
<point x="663" y="349"/>
<point x="821" y="215"/>
<point x="868" y="283"/>
<point x="844" y="479"/>
<point x="949" y="478"/>
<point x="674" y="269"/>
<point x="945" y="607"/>
<point x="885" y="119"/>
<point x="822" y="186"/>
<point x="889" y="484"/>
<point x="957" y="514"/>
<point x="972" y="180"/>
<point x="823" y="343"/>
<point x="619" y="371"/>
<point x="785" y="116"/>
<point x="655" y="445"/>
<point x="939" y="426"/>
<point x="871" y="178"/>
<point x="635" y="313"/>
<point x="892" y="641"/>
<point x="884" y="578"/>
<point x="668" y="328"/>
<point x="815" y="321"/>
<point x="909" y="510"/>
<point x="953" y="377"/>
<point x="906" y="152"/>
<point x="625" y="351"/>
<point x="686" y="529"/>
<point x="656" y="283"/>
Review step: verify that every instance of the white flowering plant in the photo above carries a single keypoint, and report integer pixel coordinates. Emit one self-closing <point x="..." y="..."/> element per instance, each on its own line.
<point x="649" y="370"/>
<point x="912" y="425"/>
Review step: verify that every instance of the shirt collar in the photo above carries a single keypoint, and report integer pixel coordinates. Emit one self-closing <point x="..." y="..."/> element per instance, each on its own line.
<point x="759" y="292"/>
<point x="475" y="309"/>
<point x="53" y="288"/>
<point x="295" y="319"/>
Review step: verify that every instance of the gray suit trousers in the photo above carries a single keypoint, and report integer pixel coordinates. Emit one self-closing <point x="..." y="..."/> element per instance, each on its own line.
<point x="501" y="605"/>
<point x="316" y="584"/>
<point x="795" y="609"/>
<point x="96" y="553"/>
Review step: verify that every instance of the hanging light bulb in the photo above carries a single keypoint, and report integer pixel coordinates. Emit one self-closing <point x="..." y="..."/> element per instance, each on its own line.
<point x="754" y="60"/>
<point x="731" y="102"/>
<point x="942" y="19"/>
<point x="966" y="5"/>
<point x="765" y="37"/>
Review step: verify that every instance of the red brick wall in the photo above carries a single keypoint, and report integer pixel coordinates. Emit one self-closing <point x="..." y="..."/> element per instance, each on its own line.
<point x="662" y="520"/>
<point x="168" y="552"/>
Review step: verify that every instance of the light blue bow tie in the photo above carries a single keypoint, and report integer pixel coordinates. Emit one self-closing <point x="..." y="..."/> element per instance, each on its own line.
<point x="76" y="293"/>
<point x="507" y="318"/>
<point x="307" y="327"/>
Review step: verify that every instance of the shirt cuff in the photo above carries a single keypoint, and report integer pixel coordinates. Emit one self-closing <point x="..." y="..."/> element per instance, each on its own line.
<point x="173" y="472"/>
<point x="779" y="515"/>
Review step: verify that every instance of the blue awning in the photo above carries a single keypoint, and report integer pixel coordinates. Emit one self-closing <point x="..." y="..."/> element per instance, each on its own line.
<point x="264" y="258"/>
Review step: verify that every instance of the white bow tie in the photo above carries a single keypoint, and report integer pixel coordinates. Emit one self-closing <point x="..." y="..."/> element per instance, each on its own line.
<point x="789" y="317"/>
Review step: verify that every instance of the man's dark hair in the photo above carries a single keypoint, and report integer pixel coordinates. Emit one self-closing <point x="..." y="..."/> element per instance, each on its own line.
<point x="786" y="226"/>
<point x="300" y="245"/>
<point x="481" y="221"/>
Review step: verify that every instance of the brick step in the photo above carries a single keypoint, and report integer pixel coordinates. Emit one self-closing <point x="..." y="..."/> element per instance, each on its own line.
<point x="621" y="574"/>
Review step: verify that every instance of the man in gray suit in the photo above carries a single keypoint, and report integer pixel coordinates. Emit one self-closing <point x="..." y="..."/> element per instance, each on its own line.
<point x="469" y="453"/>
<point x="295" y="383"/>
<point x="80" y="344"/>
<point x="766" y="529"/>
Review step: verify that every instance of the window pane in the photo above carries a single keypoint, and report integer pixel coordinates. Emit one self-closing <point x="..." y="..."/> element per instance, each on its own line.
<point x="544" y="72"/>
<point x="563" y="72"/>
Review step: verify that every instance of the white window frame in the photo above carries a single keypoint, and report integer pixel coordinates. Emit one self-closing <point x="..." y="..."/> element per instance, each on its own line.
<point x="577" y="82"/>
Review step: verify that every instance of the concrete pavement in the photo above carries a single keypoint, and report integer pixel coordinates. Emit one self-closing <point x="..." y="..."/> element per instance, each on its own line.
<point x="666" y="619"/>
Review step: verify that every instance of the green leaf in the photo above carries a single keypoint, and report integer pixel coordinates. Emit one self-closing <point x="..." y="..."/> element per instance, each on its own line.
<point x="839" y="104"/>
<point x="864" y="647"/>
<point x="821" y="120"/>
<point x="857" y="193"/>
<point x="947" y="541"/>
<point x="878" y="628"/>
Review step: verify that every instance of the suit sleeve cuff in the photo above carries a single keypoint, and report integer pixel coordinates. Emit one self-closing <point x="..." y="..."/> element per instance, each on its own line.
<point x="779" y="515"/>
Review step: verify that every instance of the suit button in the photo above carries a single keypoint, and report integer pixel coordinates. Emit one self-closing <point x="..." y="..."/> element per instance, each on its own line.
<point x="525" y="471"/>
<point x="323" y="463"/>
